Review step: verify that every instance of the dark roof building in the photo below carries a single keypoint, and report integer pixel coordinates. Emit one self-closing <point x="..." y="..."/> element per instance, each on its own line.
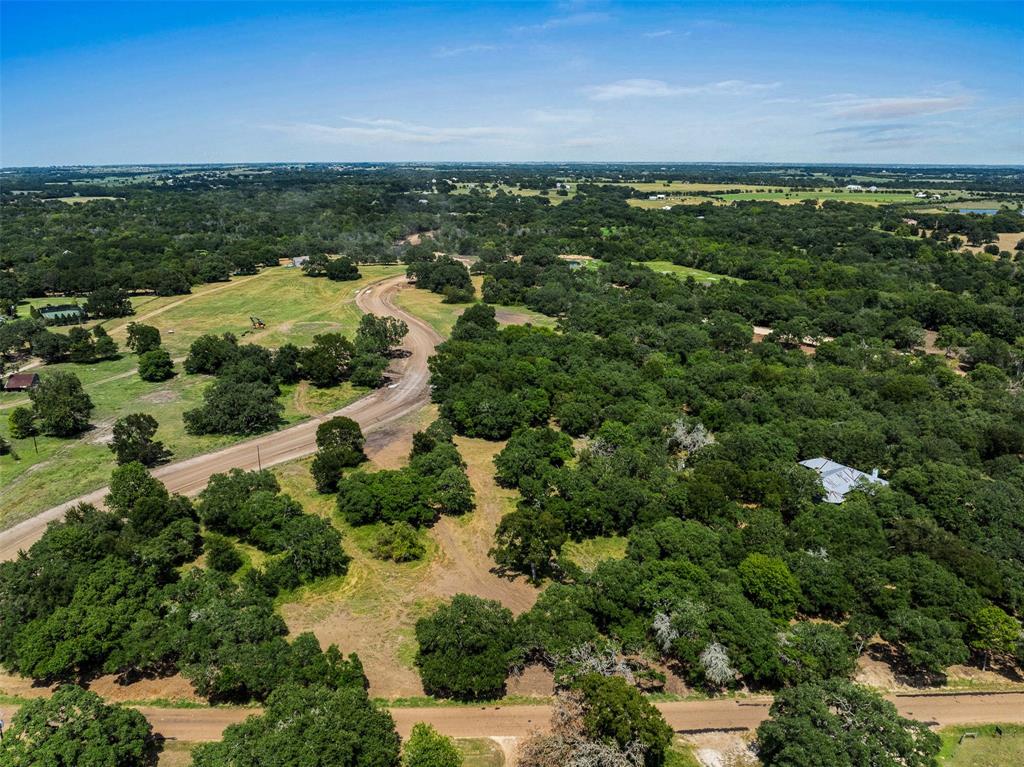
<point x="21" y="381"/>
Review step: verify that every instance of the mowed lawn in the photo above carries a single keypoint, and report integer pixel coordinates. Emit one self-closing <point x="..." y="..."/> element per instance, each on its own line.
<point x="294" y="308"/>
<point x="988" y="749"/>
<point x="64" y="468"/>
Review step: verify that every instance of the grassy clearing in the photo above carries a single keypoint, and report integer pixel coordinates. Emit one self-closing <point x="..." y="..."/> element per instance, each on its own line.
<point x="293" y="306"/>
<point x="667" y="267"/>
<point x="176" y="753"/>
<point x="441" y="316"/>
<point x="986" y="750"/>
<point x="587" y="554"/>
<point x="79" y="199"/>
<point x="299" y="307"/>
<point x="552" y="195"/>
<point x="480" y="752"/>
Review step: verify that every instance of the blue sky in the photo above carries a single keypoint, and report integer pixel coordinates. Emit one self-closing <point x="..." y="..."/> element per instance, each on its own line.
<point x="132" y="82"/>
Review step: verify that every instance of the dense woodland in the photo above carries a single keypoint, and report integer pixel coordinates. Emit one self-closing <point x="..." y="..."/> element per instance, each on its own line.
<point x="649" y="413"/>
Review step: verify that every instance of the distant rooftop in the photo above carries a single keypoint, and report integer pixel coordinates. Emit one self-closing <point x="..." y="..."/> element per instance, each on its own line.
<point x="839" y="479"/>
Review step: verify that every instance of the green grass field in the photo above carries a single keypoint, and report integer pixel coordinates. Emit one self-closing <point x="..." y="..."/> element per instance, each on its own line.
<point x="299" y="307"/>
<point x="667" y="267"/>
<point x="441" y="316"/>
<point x="986" y="750"/>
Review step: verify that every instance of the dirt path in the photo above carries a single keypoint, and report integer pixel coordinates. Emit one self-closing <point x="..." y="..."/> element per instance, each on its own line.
<point x="207" y="724"/>
<point x="408" y="391"/>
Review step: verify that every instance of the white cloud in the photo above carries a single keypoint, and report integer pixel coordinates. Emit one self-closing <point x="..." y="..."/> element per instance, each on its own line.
<point x="897" y="108"/>
<point x="572" y="20"/>
<point x="363" y="131"/>
<point x="659" y="33"/>
<point x="560" y="116"/>
<point x="445" y="52"/>
<point x="641" y="88"/>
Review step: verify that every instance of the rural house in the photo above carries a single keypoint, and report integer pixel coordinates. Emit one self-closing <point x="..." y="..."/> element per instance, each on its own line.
<point x="839" y="479"/>
<point x="21" y="381"/>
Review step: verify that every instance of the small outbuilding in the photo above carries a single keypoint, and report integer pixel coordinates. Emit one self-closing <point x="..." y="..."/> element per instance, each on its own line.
<point x="21" y="381"/>
<point x="838" y="479"/>
<point x="62" y="314"/>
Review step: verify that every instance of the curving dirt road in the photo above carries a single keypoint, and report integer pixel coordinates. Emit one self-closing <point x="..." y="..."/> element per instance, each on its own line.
<point x="408" y="390"/>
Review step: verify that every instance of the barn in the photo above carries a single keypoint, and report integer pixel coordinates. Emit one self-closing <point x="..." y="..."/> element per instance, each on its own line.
<point x="21" y="381"/>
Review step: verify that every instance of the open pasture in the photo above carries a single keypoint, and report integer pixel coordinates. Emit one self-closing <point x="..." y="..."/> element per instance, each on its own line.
<point x="300" y="306"/>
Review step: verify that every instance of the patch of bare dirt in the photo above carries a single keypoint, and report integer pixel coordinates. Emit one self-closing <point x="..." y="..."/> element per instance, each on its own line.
<point x="535" y="681"/>
<point x="102" y="433"/>
<point x="510" y="317"/>
<point x="160" y="397"/>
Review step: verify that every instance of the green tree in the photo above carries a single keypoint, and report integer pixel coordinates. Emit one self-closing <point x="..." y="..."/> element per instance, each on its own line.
<point x="616" y="713"/>
<point x="155" y="365"/>
<point x="75" y="728"/>
<point x="60" y="405"/>
<point x="994" y="633"/>
<point x="340" y="432"/>
<point x="129" y="483"/>
<point x="235" y="407"/>
<point x="133" y="440"/>
<point x="769" y="584"/>
<point x="142" y="338"/>
<point x="842" y="725"/>
<point x="109" y="302"/>
<point x="427" y="747"/>
<point x="328" y="361"/>
<point x="529" y="541"/>
<point x="221" y="554"/>
<point x="465" y="649"/>
<point x="342" y="269"/>
<point x="309" y="726"/>
<point x="21" y="423"/>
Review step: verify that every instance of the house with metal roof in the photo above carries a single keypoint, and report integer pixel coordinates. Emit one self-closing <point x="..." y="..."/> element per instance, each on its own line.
<point x="21" y="381"/>
<point x="838" y="479"/>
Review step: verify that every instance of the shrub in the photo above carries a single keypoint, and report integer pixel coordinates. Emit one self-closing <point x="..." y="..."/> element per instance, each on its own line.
<point x="221" y="554"/>
<point x="155" y="365"/>
<point x="398" y="542"/>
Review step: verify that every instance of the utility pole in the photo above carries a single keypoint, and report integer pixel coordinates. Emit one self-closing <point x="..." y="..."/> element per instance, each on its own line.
<point x="259" y="463"/>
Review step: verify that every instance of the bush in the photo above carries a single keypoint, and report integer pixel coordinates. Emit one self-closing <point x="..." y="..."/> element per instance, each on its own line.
<point x="156" y="365"/>
<point x="21" y="423"/>
<point x="399" y="542"/>
<point x="328" y="465"/>
<point x="221" y="554"/>
<point x="466" y="649"/>
<point x="427" y="747"/>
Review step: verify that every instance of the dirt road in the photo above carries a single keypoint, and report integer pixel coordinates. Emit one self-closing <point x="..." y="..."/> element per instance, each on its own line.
<point x="407" y="391"/>
<point x="692" y="716"/>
